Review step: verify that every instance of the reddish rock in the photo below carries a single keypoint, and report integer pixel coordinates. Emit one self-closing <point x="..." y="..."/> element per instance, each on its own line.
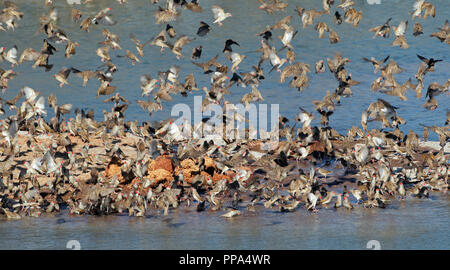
<point x="160" y="175"/>
<point x="189" y="169"/>
<point x="161" y="162"/>
<point x="219" y="177"/>
<point x="209" y="163"/>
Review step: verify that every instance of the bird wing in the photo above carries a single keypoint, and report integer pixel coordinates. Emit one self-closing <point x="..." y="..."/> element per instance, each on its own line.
<point x="12" y="53"/>
<point x="29" y="92"/>
<point x="183" y="40"/>
<point x="134" y="40"/>
<point x="425" y="60"/>
<point x="218" y="11"/>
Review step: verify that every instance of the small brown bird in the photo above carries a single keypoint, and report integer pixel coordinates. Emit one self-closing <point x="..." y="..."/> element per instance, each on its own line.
<point x="103" y="53"/>
<point x="139" y="46"/>
<point x="28" y="54"/>
<point x="206" y="65"/>
<point x="443" y="34"/>
<point x="321" y="28"/>
<point x="116" y="99"/>
<point x="399" y="32"/>
<point x="76" y="15"/>
<point x="420" y="5"/>
<point x="376" y="63"/>
<point x="324" y="118"/>
<point x="178" y="45"/>
<point x="171" y="31"/>
<point x="417" y="29"/>
<point x="12" y="102"/>
<point x="84" y="25"/>
<point x="346" y="203"/>
<point x="334" y="38"/>
<point x="219" y="14"/>
<point x="147" y="84"/>
<point x="62" y="76"/>
<point x="105" y="89"/>
<point x="86" y="75"/>
<point x="383" y="30"/>
<point x="194" y="6"/>
<point x="70" y="48"/>
<point x="323" y="172"/>
<point x="196" y="52"/>
<point x="353" y="17"/>
<point x="320" y="67"/>
<point x="189" y="83"/>
<point x="150" y="106"/>
<point x="130" y="56"/>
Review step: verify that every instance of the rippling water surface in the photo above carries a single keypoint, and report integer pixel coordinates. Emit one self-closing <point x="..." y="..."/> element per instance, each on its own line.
<point x="409" y="224"/>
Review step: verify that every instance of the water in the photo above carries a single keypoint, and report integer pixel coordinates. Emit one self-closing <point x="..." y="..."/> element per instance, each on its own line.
<point x="411" y="224"/>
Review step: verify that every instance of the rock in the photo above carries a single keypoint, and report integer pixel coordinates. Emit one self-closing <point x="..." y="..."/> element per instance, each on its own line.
<point x="161" y="162"/>
<point x="189" y="169"/>
<point x="218" y="177"/>
<point x="209" y="163"/>
<point x="113" y="168"/>
<point x="160" y="175"/>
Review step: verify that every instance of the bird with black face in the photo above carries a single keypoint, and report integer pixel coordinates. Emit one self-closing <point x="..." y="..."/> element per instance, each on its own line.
<point x="228" y="44"/>
<point x="430" y="62"/>
<point x="337" y="17"/>
<point x="196" y="52"/>
<point x="203" y="29"/>
<point x="171" y="31"/>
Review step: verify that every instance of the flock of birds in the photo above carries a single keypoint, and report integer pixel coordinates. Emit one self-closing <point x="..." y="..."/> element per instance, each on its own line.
<point x="387" y="164"/>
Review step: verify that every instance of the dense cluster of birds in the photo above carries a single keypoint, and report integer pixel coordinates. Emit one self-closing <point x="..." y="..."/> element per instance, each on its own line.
<point x="43" y="161"/>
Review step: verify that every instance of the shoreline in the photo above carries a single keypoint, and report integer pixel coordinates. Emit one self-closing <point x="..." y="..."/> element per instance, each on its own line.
<point x="168" y="182"/>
